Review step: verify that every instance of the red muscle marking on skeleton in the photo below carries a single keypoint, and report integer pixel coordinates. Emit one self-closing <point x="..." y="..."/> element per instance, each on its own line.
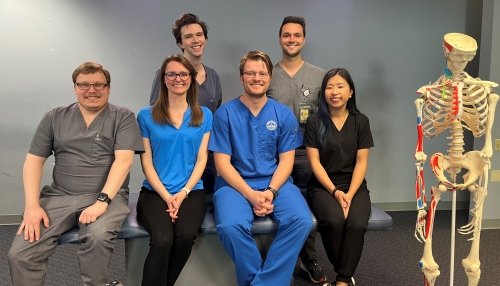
<point x="455" y="101"/>
<point x="419" y="185"/>
<point x="435" y="163"/>
<point x="423" y="183"/>
<point x="448" y="47"/>
<point x="417" y="188"/>
<point x="420" y="138"/>
<point x="430" y="217"/>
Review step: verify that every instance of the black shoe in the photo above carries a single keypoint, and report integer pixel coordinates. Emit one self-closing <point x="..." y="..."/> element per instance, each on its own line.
<point x="313" y="270"/>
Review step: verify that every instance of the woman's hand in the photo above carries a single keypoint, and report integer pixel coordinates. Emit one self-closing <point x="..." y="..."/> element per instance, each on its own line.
<point x="174" y="204"/>
<point x="344" y="200"/>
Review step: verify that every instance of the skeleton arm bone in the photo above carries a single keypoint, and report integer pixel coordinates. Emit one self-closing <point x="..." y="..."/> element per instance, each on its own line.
<point x="487" y="150"/>
<point x="420" y="159"/>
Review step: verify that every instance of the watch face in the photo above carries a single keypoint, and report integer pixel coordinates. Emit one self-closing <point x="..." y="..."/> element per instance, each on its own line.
<point x="103" y="197"/>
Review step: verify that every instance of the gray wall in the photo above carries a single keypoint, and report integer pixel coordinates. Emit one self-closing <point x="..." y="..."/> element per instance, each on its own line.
<point x="490" y="69"/>
<point x="391" y="48"/>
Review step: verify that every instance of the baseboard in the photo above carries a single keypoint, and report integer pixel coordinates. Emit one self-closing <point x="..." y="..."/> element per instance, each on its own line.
<point x="10" y="219"/>
<point x="412" y="206"/>
<point x="490" y="224"/>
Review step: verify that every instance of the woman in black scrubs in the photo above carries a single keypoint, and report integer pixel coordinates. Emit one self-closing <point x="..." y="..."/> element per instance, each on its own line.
<point x="337" y="140"/>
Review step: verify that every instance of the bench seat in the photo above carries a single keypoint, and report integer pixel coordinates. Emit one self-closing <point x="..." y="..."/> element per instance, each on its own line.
<point x="206" y="249"/>
<point x="379" y="220"/>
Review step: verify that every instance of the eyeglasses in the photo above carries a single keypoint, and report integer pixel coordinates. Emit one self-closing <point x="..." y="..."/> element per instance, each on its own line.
<point x="173" y="75"/>
<point x="252" y="74"/>
<point x="86" y="86"/>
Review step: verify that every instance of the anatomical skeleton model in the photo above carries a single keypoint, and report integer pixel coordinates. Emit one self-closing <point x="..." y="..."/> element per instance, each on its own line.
<point x="454" y="102"/>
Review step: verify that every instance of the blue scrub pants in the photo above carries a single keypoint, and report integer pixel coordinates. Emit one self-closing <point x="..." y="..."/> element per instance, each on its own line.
<point x="234" y="218"/>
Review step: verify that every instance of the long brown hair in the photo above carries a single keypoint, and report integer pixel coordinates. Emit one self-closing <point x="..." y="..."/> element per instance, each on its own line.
<point x="160" y="107"/>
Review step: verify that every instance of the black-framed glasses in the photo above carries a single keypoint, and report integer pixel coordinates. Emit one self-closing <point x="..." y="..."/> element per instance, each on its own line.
<point x="86" y="86"/>
<point x="173" y="75"/>
<point x="252" y="74"/>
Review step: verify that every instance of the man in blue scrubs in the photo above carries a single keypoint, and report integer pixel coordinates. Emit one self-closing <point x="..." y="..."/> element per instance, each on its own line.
<point x="254" y="139"/>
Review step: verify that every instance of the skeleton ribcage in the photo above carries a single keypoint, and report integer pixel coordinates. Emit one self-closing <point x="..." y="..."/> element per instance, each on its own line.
<point x="439" y="106"/>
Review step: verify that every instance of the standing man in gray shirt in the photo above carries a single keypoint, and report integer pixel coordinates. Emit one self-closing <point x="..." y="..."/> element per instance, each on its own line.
<point x="93" y="142"/>
<point x="297" y="83"/>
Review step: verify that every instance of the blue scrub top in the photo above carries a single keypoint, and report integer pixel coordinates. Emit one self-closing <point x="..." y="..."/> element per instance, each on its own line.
<point x="174" y="150"/>
<point x="254" y="142"/>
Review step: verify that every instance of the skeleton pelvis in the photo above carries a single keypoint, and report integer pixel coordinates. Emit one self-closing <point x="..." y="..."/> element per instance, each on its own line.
<point x="472" y="162"/>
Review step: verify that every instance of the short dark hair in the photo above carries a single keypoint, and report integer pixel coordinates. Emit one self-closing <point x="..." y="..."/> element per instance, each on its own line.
<point x="257" y="56"/>
<point x="187" y="19"/>
<point x="91" y="68"/>
<point x="296" y="20"/>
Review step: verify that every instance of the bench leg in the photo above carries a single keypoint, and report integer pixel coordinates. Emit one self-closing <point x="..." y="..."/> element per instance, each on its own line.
<point x="208" y="265"/>
<point x="136" y="250"/>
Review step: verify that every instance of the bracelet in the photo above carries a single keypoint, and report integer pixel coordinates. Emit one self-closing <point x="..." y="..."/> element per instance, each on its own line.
<point x="334" y="191"/>
<point x="273" y="190"/>
<point x="186" y="190"/>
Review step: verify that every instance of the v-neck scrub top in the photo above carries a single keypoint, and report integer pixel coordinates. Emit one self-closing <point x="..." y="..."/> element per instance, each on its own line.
<point x="338" y="156"/>
<point x="83" y="156"/>
<point x="254" y="142"/>
<point x="174" y="151"/>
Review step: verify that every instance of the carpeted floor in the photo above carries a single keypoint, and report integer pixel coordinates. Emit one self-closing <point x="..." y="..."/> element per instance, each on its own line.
<point x="389" y="257"/>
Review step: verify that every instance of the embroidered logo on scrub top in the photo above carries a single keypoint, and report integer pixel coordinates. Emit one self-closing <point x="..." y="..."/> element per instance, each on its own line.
<point x="271" y="125"/>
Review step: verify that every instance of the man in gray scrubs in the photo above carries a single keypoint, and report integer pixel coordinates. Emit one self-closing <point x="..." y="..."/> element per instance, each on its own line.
<point x="297" y="83"/>
<point x="93" y="143"/>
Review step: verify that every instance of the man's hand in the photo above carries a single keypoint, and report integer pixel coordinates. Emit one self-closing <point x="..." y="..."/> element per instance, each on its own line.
<point x="91" y="213"/>
<point x="262" y="202"/>
<point x="30" y="227"/>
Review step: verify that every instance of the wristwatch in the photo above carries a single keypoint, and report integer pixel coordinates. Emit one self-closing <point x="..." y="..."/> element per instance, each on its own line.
<point x="273" y="190"/>
<point x="334" y="191"/>
<point x="103" y="197"/>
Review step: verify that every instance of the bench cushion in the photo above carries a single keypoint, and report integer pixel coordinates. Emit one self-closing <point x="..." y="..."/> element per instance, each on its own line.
<point x="379" y="220"/>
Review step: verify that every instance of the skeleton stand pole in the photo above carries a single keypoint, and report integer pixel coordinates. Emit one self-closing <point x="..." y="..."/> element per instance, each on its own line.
<point x="453" y="220"/>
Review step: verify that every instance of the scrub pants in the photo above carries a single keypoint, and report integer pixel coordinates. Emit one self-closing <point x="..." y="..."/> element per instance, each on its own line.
<point x="28" y="261"/>
<point x="170" y="243"/>
<point x="301" y="173"/>
<point x="234" y="218"/>
<point x="343" y="238"/>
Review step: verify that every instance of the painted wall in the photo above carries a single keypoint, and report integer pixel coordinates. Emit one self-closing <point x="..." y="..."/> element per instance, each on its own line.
<point x="490" y="69"/>
<point x="391" y="48"/>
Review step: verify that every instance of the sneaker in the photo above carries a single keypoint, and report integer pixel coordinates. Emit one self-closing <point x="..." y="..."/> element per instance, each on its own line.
<point x="313" y="270"/>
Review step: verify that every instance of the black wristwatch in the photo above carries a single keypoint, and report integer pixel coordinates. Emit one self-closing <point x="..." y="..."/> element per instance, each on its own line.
<point x="103" y="197"/>
<point x="273" y="190"/>
<point x="334" y="191"/>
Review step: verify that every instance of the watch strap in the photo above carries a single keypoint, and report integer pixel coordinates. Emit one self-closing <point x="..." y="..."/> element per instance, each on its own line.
<point x="103" y="197"/>
<point x="273" y="190"/>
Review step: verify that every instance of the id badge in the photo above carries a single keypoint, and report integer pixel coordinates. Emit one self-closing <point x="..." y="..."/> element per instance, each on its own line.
<point x="304" y="111"/>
